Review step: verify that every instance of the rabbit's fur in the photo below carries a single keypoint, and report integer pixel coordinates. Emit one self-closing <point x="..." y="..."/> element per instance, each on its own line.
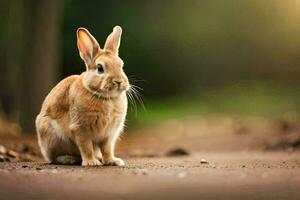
<point x="83" y="115"/>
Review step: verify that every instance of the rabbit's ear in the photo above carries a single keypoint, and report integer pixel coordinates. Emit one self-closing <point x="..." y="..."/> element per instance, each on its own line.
<point x="87" y="45"/>
<point x="113" y="40"/>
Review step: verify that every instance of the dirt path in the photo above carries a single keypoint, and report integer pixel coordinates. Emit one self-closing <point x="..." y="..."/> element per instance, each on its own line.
<point x="247" y="159"/>
<point x="244" y="175"/>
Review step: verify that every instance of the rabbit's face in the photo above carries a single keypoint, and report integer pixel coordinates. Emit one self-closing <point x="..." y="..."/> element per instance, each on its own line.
<point x="107" y="78"/>
<point x="104" y="76"/>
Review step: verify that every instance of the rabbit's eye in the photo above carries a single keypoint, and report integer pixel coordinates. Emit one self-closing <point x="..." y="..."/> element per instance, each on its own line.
<point x="100" y="69"/>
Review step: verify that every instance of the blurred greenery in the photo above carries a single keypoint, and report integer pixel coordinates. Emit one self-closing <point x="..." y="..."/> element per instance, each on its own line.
<point x="195" y="57"/>
<point x="247" y="99"/>
<point x="195" y="43"/>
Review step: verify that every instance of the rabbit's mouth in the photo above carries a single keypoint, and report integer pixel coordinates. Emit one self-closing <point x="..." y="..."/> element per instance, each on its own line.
<point x="108" y="90"/>
<point x="106" y="95"/>
<point x="111" y="92"/>
<point x="123" y="88"/>
<point x="102" y="93"/>
<point x="117" y="90"/>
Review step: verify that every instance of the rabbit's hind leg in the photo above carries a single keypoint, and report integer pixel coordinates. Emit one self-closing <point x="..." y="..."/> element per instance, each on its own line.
<point x="67" y="160"/>
<point x="55" y="146"/>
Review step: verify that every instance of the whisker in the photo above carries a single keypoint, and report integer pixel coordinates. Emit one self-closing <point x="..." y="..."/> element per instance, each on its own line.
<point x="132" y="101"/>
<point x="133" y="79"/>
<point x="137" y="87"/>
<point x="136" y="94"/>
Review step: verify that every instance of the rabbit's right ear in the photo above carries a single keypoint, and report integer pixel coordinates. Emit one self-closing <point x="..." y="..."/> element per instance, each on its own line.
<point x="112" y="42"/>
<point x="87" y="45"/>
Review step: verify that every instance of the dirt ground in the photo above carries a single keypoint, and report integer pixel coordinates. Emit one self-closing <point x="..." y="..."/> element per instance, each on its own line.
<point x="171" y="160"/>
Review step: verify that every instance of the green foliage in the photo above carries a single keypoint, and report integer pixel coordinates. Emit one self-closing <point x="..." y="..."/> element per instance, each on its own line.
<point x="179" y="47"/>
<point x="254" y="99"/>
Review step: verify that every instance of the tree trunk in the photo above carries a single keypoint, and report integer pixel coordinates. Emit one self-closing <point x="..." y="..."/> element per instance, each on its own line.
<point x="40" y="63"/>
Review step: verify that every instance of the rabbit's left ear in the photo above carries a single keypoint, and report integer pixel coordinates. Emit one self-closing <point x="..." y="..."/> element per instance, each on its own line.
<point x="113" y="40"/>
<point x="87" y="45"/>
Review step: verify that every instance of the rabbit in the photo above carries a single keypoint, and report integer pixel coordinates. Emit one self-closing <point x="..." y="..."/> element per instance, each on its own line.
<point x="83" y="115"/>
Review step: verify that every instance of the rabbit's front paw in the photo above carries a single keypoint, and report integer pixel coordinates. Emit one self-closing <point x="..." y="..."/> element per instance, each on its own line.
<point x="114" y="162"/>
<point x="91" y="162"/>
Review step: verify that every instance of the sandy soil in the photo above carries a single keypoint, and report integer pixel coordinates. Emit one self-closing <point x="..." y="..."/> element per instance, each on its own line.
<point x="237" y="166"/>
<point x="244" y="175"/>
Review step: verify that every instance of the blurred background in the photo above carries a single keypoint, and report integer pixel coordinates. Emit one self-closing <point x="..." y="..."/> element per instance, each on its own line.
<point x="196" y="58"/>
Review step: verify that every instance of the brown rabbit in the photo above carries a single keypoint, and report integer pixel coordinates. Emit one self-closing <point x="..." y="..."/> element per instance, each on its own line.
<point x="83" y="115"/>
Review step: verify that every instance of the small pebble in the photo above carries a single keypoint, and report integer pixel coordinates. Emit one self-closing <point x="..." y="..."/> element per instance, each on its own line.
<point x="3" y="150"/>
<point x="178" y="152"/>
<point x="13" y="153"/>
<point x="4" y="158"/>
<point x="203" y="161"/>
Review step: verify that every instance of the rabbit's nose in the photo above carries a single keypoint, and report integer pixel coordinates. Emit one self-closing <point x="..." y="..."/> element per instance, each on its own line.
<point x="117" y="82"/>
